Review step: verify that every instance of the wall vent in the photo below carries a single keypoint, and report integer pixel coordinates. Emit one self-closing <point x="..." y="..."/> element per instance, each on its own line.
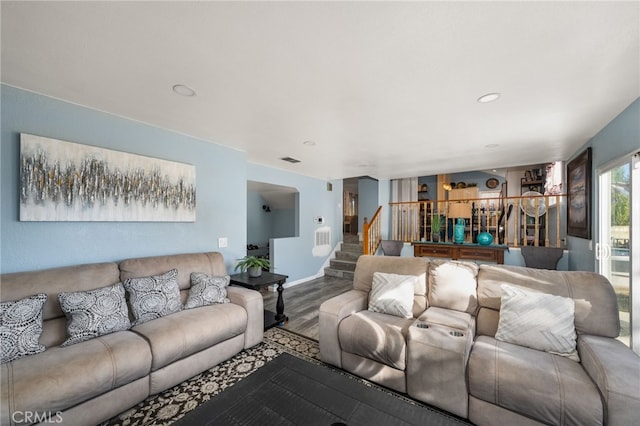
<point x="322" y="246"/>
<point x="290" y="160"/>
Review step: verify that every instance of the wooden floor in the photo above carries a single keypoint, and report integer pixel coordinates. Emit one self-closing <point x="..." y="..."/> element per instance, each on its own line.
<point x="302" y="302"/>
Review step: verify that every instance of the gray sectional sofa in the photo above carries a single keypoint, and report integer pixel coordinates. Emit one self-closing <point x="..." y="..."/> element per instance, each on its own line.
<point x="470" y="345"/>
<point x="88" y="382"/>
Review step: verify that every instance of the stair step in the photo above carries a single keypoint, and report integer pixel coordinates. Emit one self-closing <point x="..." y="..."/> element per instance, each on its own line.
<point x="352" y="247"/>
<point x="350" y="238"/>
<point x="344" y="265"/>
<point x="339" y="273"/>
<point x="348" y="255"/>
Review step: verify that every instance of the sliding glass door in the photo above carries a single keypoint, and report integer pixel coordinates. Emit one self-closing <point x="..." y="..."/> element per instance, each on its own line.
<point x="619" y="214"/>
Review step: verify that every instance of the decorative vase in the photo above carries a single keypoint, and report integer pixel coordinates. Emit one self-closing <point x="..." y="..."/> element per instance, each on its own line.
<point x="459" y="231"/>
<point x="254" y="271"/>
<point x="435" y="237"/>
<point x="485" y="238"/>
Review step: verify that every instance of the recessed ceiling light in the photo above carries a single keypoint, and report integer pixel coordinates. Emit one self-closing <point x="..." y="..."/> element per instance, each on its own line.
<point x="309" y="143"/>
<point x="489" y="97"/>
<point x="183" y="90"/>
<point x="492" y="146"/>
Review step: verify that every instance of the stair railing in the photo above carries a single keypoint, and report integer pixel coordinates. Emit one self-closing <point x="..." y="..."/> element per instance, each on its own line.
<point x="531" y="219"/>
<point x="372" y="233"/>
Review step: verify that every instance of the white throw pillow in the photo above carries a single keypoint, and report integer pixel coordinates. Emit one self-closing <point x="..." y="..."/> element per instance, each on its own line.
<point x="392" y="294"/>
<point x="452" y="285"/>
<point x="538" y="320"/>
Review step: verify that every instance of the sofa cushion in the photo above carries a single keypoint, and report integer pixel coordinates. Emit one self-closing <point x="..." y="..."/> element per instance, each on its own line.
<point x="448" y="317"/>
<point x="21" y="327"/>
<point x="548" y="388"/>
<point x="376" y="336"/>
<point x="62" y="377"/>
<point x="154" y="296"/>
<point x="538" y="321"/>
<point x="596" y="306"/>
<point x="94" y="313"/>
<point x="392" y="294"/>
<point x="206" y="289"/>
<point x="452" y="285"/>
<point x="184" y="333"/>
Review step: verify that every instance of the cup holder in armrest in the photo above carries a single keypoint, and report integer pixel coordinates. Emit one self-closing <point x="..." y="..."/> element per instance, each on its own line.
<point x="422" y="325"/>
<point x="456" y="333"/>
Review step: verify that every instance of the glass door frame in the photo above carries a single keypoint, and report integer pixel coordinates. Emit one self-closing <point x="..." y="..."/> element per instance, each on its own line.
<point x="603" y="249"/>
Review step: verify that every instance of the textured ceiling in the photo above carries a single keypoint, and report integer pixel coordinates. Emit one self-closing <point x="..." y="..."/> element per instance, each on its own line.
<point x="385" y="89"/>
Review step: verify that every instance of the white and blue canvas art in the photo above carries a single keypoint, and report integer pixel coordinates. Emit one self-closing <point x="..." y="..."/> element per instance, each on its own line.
<point x="66" y="181"/>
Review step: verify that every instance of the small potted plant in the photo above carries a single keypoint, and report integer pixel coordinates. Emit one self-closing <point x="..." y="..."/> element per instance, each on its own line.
<point x="435" y="228"/>
<point x="253" y="265"/>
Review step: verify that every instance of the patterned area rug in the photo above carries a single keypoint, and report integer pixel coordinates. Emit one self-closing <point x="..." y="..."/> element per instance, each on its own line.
<point x="174" y="403"/>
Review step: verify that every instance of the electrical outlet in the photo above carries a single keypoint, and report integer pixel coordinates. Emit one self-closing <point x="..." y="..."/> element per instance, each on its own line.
<point x="223" y="242"/>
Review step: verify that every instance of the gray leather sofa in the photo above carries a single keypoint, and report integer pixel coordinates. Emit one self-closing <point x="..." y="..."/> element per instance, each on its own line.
<point x="447" y="353"/>
<point x="91" y="381"/>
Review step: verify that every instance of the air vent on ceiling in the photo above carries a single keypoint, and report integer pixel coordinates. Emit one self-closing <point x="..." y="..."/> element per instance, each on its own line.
<point x="290" y="160"/>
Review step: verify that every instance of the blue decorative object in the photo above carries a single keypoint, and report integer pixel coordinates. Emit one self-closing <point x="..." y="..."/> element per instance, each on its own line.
<point x="459" y="231"/>
<point x="485" y="238"/>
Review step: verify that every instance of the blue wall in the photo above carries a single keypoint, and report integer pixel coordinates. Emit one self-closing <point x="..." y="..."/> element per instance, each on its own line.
<point x="619" y="138"/>
<point x="259" y="226"/>
<point x="293" y="256"/>
<point x="221" y="175"/>
<point x="220" y="191"/>
<point x="368" y="201"/>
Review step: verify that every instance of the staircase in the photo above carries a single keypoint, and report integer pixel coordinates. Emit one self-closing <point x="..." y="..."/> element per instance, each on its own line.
<point x="345" y="262"/>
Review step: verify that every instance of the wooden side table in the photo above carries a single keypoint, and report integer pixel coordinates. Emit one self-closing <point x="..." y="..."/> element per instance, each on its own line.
<point x="271" y="319"/>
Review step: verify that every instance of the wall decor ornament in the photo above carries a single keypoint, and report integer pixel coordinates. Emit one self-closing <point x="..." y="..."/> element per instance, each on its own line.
<point x="66" y="181"/>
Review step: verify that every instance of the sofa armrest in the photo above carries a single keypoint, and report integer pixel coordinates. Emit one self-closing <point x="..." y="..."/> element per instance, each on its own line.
<point x="615" y="369"/>
<point x="252" y="302"/>
<point x="331" y="313"/>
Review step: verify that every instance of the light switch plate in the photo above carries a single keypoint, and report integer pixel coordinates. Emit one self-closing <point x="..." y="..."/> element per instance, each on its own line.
<point x="223" y="242"/>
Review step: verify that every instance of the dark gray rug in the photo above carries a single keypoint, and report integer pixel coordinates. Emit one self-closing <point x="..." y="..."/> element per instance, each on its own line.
<point x="291" y="391"/>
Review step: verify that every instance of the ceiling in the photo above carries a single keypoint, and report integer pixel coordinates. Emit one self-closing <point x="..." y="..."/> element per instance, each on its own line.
<point x="384" y="89"/>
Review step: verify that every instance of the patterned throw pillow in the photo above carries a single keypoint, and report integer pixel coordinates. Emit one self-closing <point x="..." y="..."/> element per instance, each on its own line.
<point x="392" y="294"/>
<point x="21" y="327"/>
<point x="537" y="320"/>
<point x="206" y="290"/>
<point x="153" y="297"/>
<point x="94" y="313"/>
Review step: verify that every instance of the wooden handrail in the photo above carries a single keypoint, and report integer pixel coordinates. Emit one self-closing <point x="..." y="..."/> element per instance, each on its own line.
<point x="371" y="233"/>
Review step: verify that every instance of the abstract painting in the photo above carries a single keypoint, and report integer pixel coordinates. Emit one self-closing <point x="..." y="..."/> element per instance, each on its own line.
<point x="65" y="181"/>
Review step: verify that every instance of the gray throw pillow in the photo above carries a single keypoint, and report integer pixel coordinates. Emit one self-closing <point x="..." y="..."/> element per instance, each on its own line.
<point x="537" y="320"/>
<point x="21" y="327"/>
<point x="153" y="297"/>
<point x="206" y="290"/>
<point x="94" y="313"/>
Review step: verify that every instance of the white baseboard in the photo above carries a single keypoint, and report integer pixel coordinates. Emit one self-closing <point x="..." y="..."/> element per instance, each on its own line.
<point x="319" y="274"/>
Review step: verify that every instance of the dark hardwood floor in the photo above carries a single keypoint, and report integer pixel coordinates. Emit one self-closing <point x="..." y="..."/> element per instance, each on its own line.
<point x="302" y="302"/>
